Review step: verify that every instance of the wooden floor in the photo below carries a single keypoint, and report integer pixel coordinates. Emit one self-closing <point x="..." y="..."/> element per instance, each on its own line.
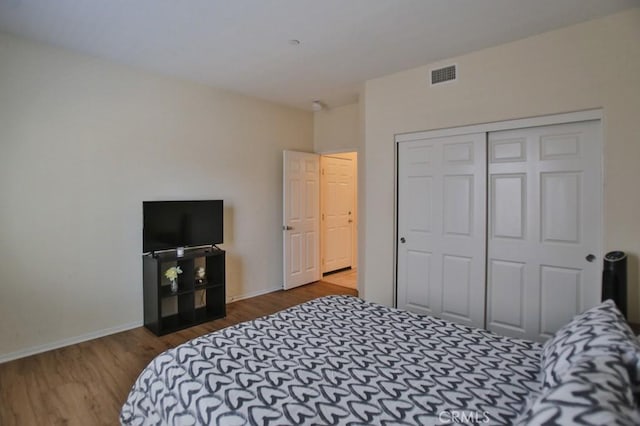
<point x="348" y="278"/>
<point x="87" y="383"/>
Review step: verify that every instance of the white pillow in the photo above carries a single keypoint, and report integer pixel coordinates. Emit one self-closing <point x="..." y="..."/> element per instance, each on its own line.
<point x="593" y="391"/>
<point x="598" y="331"/>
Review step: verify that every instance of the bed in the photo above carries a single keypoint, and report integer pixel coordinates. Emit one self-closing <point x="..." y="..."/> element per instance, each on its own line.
<point x="339" y="360"/>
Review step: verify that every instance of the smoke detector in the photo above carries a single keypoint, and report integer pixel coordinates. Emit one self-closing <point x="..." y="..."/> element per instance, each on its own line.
<point x="317" y="106"/>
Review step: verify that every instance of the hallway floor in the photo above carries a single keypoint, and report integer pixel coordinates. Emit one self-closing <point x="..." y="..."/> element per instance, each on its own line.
<point x="348" y="278"/>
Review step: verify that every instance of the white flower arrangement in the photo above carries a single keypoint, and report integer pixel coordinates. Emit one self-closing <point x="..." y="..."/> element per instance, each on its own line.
<point x="173" y="272"/>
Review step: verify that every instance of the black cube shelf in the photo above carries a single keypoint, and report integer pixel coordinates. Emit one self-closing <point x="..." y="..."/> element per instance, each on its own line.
<point x="196" y="301"/>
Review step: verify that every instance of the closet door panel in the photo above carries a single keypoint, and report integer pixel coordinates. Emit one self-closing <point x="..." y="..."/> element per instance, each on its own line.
<point x="544" y="213"/>
<point x="419" y="187"/>
<point x="507" y="299"/>
<point x="458" y="205"/>
<point x="456" y="287"/>
<point x="508" y="209"/>
<point x="441" y="227"/>
<point x="418" y="272"/>
<point x="560" y="207"/>
<point x="560" y="297"/>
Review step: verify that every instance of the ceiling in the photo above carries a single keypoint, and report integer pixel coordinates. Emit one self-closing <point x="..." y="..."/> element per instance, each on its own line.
<point x="243" y="45"/>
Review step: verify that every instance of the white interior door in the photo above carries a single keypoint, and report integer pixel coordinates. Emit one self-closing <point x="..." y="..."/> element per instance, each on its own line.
<point x="338" y="200"/>
<point x="301" y="224"/>
<point x="441" y="227"/>
<point x="544" y="221"/>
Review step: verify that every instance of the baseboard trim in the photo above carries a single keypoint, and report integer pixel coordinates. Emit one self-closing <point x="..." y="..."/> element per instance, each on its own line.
<point x="23" y="353"/>
<point x="253" y="294"/>
<point x="11" y="356"/>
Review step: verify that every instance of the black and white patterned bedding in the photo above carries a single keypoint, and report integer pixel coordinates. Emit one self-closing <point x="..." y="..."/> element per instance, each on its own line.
<point x="590" y="373"/>
<point x="338" y="360"/>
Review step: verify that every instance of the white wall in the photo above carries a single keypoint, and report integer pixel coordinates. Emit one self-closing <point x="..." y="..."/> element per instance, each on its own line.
<point x="336" y="129"/>
<point x="591" y="65"/>
<point x="83" y="143"/>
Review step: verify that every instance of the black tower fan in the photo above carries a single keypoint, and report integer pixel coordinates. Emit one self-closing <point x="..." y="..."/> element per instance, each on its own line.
<point x="614" y="279"/>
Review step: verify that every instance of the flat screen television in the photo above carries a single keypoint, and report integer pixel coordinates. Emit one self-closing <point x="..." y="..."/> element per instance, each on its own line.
<point x="171" y="224"/>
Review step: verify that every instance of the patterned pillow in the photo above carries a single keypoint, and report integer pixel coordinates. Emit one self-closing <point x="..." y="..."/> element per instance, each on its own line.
<point x="597" y="331"/>
<point x="594" y="391"/>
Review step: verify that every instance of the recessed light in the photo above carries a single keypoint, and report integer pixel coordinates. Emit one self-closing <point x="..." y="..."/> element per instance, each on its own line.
<point x="294" y="42"/>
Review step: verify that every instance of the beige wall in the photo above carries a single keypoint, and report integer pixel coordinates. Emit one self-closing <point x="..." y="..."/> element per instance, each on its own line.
<point x="591" y="65"/>
<point x="336" y="129"/>
<point x="83" y="143"/>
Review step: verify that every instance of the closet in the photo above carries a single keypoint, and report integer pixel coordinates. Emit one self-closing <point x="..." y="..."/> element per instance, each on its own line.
<point x="499" y="226"/>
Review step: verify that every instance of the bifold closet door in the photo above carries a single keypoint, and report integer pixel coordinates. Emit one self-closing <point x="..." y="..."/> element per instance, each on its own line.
<point x="544" y="226"/>
<point x="441" y="227"/>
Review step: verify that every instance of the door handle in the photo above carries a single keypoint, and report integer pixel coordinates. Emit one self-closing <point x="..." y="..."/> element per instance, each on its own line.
<point x="402" y="240"/>
<point x="590" y="257"/>
<point x="287" y="228"/>
<point x="350" y="221"/>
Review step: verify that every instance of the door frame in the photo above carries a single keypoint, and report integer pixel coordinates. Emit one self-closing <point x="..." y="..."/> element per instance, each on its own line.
<point x="355" y="230"/>
<point x="514" y="124"/>
<point x="354" y="227"/>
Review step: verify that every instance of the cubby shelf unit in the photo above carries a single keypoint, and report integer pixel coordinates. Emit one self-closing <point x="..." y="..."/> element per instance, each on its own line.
<point x="196" y="301"/>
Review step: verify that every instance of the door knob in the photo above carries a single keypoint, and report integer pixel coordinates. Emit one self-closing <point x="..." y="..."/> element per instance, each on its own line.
<point x="590" y="257"/>
<point x="287" y="228"/>
<point x="402" y="240"/>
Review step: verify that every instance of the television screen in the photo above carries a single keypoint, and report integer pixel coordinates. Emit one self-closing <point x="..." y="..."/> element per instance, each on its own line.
<point x="171" y="224"/>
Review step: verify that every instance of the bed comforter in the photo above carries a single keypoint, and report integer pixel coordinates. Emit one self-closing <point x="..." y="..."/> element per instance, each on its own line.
<point x="338" y="360"/>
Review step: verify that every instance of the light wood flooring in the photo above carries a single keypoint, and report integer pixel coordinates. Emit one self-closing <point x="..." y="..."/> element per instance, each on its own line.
<point x="87" y="383"/>
<point x="348" y="278"/>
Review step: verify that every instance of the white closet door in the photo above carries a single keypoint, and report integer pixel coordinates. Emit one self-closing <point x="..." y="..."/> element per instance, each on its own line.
<point x="441" y="227"/>
<point x="544" y="222"/>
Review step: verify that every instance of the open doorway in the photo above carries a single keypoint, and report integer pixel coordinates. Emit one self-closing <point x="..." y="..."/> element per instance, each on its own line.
<point x="339" y="218"/>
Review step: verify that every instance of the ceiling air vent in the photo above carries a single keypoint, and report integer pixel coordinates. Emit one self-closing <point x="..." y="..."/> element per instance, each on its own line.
<point x="442" y="75"/>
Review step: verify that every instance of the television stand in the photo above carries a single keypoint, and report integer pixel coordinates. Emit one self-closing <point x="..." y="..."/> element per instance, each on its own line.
<point x="196" y="301"/>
